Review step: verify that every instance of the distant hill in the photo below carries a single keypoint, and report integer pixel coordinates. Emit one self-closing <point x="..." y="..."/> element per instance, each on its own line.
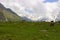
<point x="7" y="14"/>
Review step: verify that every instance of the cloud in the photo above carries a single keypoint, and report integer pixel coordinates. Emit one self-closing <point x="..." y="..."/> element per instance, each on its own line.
<point x="33" y="9"/>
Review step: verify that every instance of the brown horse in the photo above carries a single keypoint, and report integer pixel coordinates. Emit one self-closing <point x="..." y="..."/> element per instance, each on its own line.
<point x="52" y="24"/>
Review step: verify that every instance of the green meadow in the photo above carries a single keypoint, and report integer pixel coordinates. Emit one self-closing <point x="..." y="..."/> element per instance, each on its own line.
<point x="29" y="31"/>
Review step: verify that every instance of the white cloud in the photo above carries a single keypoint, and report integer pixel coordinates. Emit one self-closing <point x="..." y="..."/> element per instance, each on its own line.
<point x="38" y="8"/>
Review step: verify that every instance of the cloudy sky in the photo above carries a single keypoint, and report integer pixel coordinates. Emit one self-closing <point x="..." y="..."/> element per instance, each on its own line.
<point x="34" y="9"/>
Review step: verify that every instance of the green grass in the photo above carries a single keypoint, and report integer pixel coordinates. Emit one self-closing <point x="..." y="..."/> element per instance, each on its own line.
<point x="29" y="31"/>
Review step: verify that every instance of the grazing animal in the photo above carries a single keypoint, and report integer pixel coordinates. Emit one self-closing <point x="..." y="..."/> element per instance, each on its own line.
<point x="52" y="24"/>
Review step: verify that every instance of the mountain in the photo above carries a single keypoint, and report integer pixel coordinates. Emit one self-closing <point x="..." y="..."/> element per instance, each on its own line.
<point x="26" y="19"/>
<point x="7" y="14"/>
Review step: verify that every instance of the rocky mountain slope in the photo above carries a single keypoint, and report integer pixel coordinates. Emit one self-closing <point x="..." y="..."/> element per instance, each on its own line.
<point x="7" y="14"/>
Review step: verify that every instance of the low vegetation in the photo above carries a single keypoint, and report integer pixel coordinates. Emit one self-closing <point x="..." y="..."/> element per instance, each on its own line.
<point x="29" y="31"/>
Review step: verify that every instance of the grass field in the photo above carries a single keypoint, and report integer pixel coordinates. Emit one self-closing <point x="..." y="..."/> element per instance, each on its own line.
<point x="29" y="31"/>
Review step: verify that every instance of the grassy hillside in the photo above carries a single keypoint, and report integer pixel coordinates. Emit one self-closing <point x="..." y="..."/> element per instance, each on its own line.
<point x="8" y="15"/>
<point x="29" y="31"/>
<point x="11" y="16"/>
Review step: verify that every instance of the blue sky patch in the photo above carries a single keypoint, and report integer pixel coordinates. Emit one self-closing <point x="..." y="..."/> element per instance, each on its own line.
<point x="50" y="1"/>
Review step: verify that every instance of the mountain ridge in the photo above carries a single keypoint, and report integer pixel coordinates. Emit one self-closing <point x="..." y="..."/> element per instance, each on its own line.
<point x="7" y="14"/>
